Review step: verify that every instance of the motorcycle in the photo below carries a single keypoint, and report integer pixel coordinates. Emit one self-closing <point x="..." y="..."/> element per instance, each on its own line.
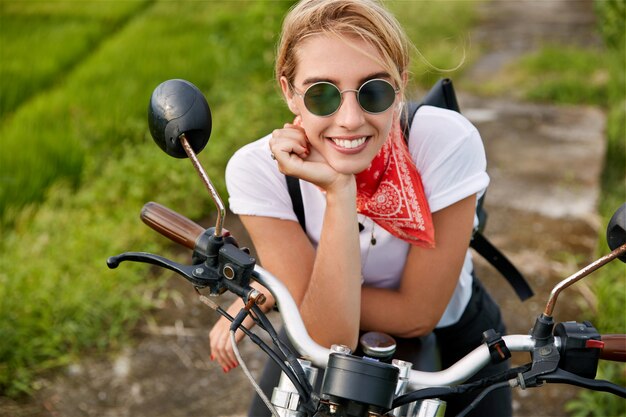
<point x="369" y="384"/>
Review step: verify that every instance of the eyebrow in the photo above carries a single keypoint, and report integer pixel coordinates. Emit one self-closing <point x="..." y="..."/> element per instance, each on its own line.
<point x="313" y="80"/>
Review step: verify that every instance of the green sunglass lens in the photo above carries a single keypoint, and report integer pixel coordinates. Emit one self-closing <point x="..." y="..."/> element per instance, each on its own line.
<point x="376" y="96"/>
<point x="322" y="99"/>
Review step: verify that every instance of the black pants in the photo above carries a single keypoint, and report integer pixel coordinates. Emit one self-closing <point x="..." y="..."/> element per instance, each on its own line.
<point x="454" y="342"/>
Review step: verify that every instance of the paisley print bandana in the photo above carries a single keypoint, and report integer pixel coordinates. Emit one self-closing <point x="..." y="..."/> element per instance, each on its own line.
<point x="391" y="193"/>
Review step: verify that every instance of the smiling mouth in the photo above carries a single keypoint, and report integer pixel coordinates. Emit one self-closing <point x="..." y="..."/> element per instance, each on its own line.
<point x="349" y="144"/>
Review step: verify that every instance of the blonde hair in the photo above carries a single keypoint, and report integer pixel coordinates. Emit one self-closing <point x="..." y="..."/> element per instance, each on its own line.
<point x="365" y="19"/>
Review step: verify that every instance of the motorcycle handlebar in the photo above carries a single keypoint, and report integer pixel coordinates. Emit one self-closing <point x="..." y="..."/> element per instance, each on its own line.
<point x="614" y="347"/>
<point x="186" y="232"/>
<point x="318" y="355"/>
<point x="171" y="224"/>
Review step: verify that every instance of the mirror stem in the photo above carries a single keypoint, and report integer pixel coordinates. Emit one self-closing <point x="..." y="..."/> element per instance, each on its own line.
<point x="221" y="211"/>
<point x="580" y="275"/>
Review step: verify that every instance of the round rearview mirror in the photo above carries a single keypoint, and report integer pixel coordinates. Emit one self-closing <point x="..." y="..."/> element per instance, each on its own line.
<point x="178" y="107"/>
<point x="616" y="230"/>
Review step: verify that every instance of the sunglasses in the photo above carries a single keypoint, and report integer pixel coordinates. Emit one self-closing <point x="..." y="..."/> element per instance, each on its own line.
<point x="324" y="98"/>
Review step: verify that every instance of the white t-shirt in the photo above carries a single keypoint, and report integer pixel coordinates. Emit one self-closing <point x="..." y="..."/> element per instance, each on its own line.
<point x="449" y="155"/>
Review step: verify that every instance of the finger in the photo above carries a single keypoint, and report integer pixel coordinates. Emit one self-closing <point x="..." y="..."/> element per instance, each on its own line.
<point x="290" y="139"/>
<point x="289" y="131"/>
<point x="285" y="150"/>
<point x="289" y="146"/>
<point x="228" y="354"/>
<point x="293" y="126"/>
<point x="231" y="359"/>
<point x="301" y="151"/>
<point x="221" y="354"/>
<point x="221" y="347"/>
<point x="298" y="128"/>
<point x="218" y="342"/>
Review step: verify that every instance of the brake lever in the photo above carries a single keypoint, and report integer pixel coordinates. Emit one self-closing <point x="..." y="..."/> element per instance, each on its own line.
<point x="196" y="274"/>
<point x="560" y="376"/>
<point x="545" y="354"/>
<point x="229" y="269"/>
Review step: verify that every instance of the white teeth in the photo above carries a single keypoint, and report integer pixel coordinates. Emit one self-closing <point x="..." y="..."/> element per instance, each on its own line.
<point x="349" y="144"/>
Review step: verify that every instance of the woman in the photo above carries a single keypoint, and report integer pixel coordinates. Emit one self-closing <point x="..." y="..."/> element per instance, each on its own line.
<point x="342" y="68"/>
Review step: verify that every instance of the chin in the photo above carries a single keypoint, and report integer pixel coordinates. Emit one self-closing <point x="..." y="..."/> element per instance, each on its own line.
<point x="350" y="167"/>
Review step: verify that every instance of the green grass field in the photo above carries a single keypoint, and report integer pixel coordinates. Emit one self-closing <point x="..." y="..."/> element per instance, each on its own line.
<point x="43" y="42"/>
<point x="78" y="164"/>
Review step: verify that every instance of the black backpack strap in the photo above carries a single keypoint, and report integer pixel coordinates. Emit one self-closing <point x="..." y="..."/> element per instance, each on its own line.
<point x="486" y="249"/>
<point x="442" y="95"/>
<point x="293" y="186"/>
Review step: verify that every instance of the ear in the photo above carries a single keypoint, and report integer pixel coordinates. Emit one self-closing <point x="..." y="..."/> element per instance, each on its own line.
<point x="405" y="79"/>
<point x="290" y="97"/>
<point x="405" y="82"/>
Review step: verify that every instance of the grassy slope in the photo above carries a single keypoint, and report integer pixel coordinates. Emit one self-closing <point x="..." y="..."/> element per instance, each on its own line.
<point x="42" y="42"/>
<point x="56" y="295"/>
<point x="40" y="45"/>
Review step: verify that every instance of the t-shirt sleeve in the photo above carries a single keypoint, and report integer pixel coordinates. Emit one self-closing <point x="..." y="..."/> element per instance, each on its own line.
<point x="255" y="186"/>
<point x="449" y="155"/>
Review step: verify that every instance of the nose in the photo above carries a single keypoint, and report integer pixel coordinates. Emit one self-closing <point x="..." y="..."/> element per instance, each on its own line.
<point x="350" y="115"/>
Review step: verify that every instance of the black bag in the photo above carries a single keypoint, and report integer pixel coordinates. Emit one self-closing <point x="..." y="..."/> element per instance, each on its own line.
<point x="441" y="95"/>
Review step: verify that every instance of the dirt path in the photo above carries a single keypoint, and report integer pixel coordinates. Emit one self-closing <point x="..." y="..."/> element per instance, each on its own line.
<point x="545" y="164"/>
<point x="542" y="214"/>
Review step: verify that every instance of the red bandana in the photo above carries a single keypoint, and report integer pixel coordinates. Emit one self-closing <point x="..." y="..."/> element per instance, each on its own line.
<point x="391" y="193"/>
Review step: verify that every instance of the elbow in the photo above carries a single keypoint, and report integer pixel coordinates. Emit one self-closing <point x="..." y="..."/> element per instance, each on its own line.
<point x="417" y="332"/>
<point x="423" y="328"/>
<point x="341" y="333"/>
<point x="351" y="341"/>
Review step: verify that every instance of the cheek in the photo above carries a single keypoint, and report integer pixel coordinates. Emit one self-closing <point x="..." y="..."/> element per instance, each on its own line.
<point x="312" y="128"/>
<point x="384" y="126"/>
<point x="293" y="107"/>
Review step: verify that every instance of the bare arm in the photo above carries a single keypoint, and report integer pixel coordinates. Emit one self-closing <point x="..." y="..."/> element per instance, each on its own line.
<point x="428" y="281"/>
<point x="326" y="283"/>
